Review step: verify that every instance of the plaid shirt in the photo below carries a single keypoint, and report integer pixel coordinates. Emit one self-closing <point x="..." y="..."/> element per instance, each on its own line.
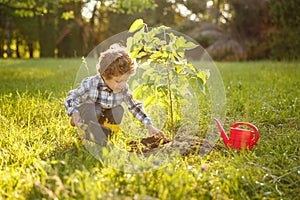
<point x="94" y="90"/>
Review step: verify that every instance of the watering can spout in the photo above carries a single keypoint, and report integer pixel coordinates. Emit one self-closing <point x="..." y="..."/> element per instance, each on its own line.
<point x="223" y="134"/>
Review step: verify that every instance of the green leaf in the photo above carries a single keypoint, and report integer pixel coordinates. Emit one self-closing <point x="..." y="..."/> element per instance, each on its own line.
<point x="149" y="100"/>
<point x="158" y="30"/>
<point x="148" y="37"/>
<point x="135" y="50"/>
<point x="136" y="25"/>
<point x="134" y="53"/>
<point x="172" y="36"/>
<point x="178" y="69"/>
<point x="181" y="43"/>
<point x="137" y="91"/>
<point x="138" y="37"/>
<point x="141" y="55"/>
<point x="129" y="43"/>
<point x="200" y="84"/>
<point x="203" y="76"/>
<point x="156" y="55"/>
<point x="148" y="48"/>
<point x="190" y="45"/>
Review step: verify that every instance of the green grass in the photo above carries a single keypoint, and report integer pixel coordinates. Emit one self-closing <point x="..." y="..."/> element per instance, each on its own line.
<point x="41" y="156"/>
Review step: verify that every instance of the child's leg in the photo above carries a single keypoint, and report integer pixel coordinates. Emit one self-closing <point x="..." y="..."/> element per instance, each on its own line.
<point x="95" y="132"/>
<point x="87" y="112"/>
<point x="114" y="115"/>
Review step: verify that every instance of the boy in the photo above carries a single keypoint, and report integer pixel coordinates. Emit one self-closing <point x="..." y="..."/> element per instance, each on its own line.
<point x="99" y="97"/>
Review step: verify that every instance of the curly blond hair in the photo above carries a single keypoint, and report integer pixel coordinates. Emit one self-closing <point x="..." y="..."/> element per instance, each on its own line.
<point x="115" y="61"/>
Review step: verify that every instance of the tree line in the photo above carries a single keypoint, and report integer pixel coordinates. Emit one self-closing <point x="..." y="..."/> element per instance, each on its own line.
<point x="228" y="30"/>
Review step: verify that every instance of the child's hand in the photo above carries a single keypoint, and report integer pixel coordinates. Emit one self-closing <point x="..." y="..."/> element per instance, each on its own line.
<point x="154" y="131"/>
<point x="75" y="119"/>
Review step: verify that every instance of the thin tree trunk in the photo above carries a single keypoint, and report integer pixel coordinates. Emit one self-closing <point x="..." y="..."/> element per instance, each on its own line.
<point x="217" y="12"/>
<point x="17" y="48"/>
<point x="172" y="126"/>
<point x="8" y="37"/>
<point x="30" y="48"/>
<point x="1" y="49"/>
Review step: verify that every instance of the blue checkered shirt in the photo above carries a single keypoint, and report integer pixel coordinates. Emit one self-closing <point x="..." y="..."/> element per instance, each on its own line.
<point x="94" y="90"/>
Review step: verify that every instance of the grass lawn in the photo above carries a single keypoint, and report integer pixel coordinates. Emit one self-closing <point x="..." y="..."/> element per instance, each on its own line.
<point x="41" y="156"/>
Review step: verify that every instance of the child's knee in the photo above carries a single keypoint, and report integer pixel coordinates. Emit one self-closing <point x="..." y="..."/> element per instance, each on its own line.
<point x="115" y="115"/>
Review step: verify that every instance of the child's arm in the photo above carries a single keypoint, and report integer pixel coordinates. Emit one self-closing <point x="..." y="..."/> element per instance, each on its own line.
<point x="154" y="131"/>
<point x="137" y="110"/>
<point x="87" y="90"/>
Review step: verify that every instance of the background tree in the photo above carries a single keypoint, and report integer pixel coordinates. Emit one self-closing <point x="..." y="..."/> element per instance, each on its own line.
<point x="70" y="29"/>
<point x="43" y="11"/>
<point x="100" y="25"/>
<point x="229" y="30"/>
<point x="232" y="30"/>
<point x="285" y="41"/>
<point x="163" y="13"/>
<point x="60" y="23"/>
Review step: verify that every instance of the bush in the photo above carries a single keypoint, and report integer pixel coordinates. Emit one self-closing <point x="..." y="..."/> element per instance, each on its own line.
<point x="286" y="40"/>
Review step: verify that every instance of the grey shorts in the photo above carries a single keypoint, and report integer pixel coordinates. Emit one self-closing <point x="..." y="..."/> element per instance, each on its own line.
<point x="95" y="113"/>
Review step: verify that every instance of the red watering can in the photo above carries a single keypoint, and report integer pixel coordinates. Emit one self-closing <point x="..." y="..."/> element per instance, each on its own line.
<point x="240" y="139"/>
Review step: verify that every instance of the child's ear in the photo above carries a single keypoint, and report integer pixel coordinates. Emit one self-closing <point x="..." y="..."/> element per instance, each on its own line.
<point x="102" y="76"/>
<point x="105" y="77"/>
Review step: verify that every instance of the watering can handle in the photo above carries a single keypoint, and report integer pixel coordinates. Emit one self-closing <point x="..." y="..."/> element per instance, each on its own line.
<point x="255" y="139"/>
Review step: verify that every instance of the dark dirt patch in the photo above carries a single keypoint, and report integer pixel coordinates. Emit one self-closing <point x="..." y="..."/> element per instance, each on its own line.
<point x="185" y="145"/>
<point x="147" y="144"/>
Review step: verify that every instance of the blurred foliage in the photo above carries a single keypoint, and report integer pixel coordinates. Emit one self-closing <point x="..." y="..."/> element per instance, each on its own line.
<point x="285" y="41"/>
<point x="229" y="30"/>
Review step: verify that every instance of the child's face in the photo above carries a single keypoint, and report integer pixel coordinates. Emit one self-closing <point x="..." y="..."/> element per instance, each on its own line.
<point x="117" y="83"/>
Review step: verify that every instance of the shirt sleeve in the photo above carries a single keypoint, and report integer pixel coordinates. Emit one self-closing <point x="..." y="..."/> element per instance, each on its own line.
<point x="83" y="93"/>
<point x="136" y="108"/>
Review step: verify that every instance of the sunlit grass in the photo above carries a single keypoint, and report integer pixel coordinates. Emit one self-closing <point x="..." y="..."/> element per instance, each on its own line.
<point x="42" y="157"/>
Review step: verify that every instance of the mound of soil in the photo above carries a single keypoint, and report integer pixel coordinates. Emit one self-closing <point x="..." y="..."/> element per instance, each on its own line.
<point x="186" y="145"/>
<point x="147" y="144"/>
